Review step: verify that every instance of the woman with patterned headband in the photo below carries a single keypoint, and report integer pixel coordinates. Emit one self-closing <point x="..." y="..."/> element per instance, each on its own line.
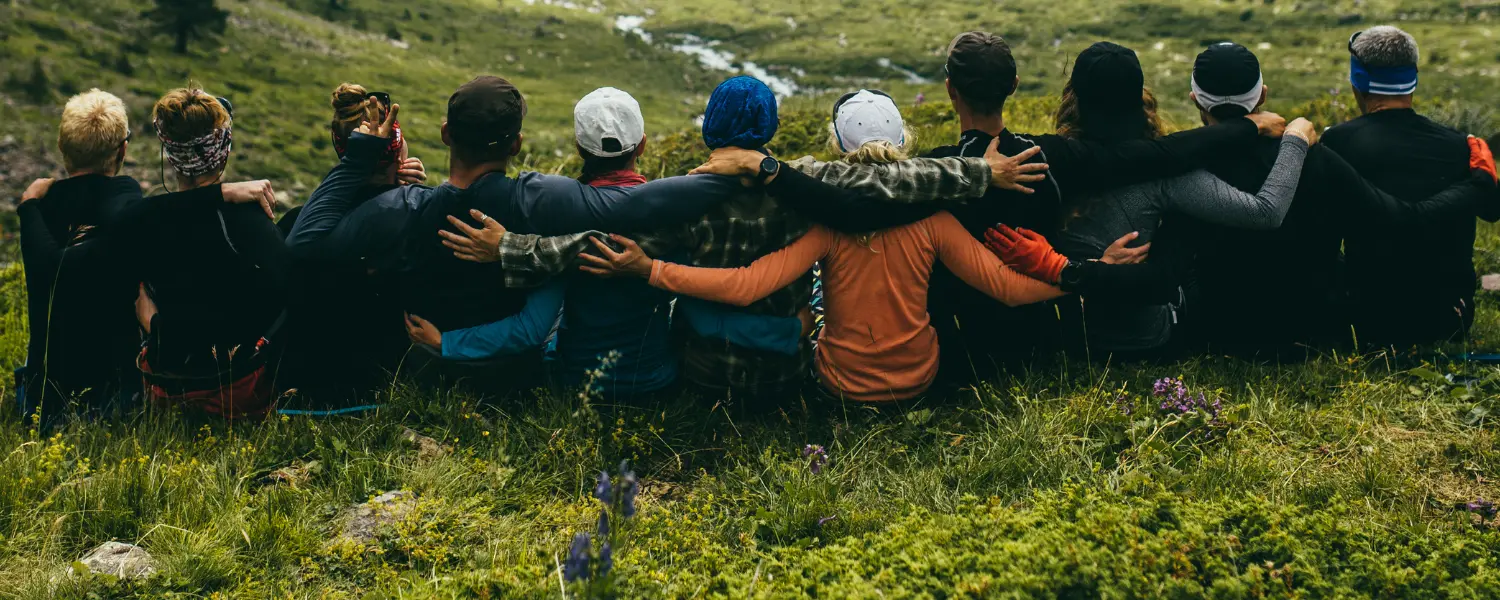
<point x="212" y="275"/>
<point x="343" y="334"/>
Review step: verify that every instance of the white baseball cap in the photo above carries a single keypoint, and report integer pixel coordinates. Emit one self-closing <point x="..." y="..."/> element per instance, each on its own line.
<point x="866" y="116"/>
<point x="608" y="123"/>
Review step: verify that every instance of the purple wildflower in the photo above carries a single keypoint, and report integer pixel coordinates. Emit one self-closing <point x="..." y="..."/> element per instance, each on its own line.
<point x="606" y="559"/>
<point x="602" y="489"/>
<point x="629" y="488"/>
<point x="1483" y="508"/>
<point x="603" y="524"/>
<point x="817" y="458"/>
<point x="577" y="565"/>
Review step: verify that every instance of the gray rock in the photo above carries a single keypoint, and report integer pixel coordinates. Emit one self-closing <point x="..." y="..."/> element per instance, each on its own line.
<point x="126" y="561"/>
<point x="362" y="522"/>
<point x="427" y="448"/>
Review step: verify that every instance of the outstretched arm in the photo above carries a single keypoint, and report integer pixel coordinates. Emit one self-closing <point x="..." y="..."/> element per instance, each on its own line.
<point x="976" y="266"/>
<point x="757" y="332"/>
<point x="739" y="287"/>
<point x="914" y="180"/>
<point x="516" y="334"/>
<point x="1081" y="167"/>
<point x="1340" y="179"/>
<point x="323" y="229"/>
<point x="1208" y="198"/>
<point x="841" y="209"/>
<point x="660" y="203"/>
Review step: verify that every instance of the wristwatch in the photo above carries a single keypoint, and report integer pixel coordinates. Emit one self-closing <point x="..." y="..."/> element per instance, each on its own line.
<point x="1071" y="277"/>
<point x="769" y="166"/>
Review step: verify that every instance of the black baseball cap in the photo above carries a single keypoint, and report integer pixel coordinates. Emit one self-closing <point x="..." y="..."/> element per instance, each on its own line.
<point x="981" y="67"/>
<point x="1108" y="76"/>
<point x="485" y="111"/>
<point x="1226" y="69"/>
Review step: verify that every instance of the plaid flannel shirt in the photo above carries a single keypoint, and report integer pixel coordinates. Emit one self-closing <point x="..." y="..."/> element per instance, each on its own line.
<point x="738" y="232"/>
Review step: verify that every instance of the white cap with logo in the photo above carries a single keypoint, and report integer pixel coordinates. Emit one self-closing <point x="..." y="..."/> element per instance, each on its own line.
<point x="608" y="123"/>
<point x="867" y="116"/>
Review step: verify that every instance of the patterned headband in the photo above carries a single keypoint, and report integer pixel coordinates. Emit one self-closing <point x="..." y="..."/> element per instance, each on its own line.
<point x="200" y="156"/>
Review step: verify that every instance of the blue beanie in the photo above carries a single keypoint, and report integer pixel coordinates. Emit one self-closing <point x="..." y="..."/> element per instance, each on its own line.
<point x="740" y="113"/>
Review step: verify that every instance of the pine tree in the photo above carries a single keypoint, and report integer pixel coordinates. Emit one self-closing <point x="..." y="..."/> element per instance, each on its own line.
<point x="187" y="20"/>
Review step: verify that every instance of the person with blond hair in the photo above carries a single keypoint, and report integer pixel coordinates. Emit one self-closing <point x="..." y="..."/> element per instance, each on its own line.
<point x="74" y="240"/>
<point x="212" y="276"/>
<point x="82" y="332"/>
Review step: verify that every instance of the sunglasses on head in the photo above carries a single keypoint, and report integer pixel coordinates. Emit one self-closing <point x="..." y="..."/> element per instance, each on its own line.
<point x="228" y="106"/>
<point x="1351" y="42"/>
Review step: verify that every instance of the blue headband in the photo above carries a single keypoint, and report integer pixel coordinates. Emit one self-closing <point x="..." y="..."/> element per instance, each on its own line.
<point x="1382" y="81"/>
<point x="740" y="113"/>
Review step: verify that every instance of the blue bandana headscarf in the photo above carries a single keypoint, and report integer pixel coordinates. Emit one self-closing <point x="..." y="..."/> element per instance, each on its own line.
<point x="1382" y="81"/>
<point x="740" y="113"/>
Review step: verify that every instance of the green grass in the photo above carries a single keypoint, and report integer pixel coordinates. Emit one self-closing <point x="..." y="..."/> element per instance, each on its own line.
<point x="1342" y="477"/>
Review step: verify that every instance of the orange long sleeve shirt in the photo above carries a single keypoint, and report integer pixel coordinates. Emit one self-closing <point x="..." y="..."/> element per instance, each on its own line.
<point x="877" y="343"/>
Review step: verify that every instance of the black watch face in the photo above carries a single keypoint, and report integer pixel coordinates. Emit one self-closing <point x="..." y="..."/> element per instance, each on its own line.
<point x="768" y="166"/>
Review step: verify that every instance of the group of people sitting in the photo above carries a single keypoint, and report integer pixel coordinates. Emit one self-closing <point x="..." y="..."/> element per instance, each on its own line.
<point x="870" y="278"/>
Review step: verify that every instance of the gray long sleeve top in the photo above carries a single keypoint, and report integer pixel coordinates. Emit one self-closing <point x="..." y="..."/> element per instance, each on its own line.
<point x="1097" y="222"/>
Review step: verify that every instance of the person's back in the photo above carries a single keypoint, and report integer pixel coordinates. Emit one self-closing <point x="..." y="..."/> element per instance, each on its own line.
<point x="213" y="276"/>
<point x="1289" y="289"/>
<point x="745" y="228"/>
<point x="82" y="332"/>
<point x="1412" y="158"/>
<point x="878" y="342"/>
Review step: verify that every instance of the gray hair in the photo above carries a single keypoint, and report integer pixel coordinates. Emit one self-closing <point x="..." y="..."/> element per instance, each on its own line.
<point x="1385" y="46"/>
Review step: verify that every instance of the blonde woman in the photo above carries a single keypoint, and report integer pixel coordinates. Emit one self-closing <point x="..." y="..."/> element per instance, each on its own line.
<point x="877" y="343"/>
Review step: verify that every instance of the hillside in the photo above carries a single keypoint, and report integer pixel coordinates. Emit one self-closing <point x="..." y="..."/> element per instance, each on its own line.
<point x="279" y="59"/>
<point x="1349" y="476"/>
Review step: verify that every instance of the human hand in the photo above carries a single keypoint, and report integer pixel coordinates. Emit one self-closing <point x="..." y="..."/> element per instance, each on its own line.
<point x="475" y="245"/>
<point x="411" y="171"/>
<point x="1304" y="129"/>
<point x="631" y="261"/>
<point x="1268" y="124"/>
<point x="145" y="308"/>
<point x="246" y="192"/>
<point x="1009" y="172"/>
<point x="1480" y="157"/>
<point x="1118" y="254"/>
<point x="423" y="332"/>
<point x="1027" y="252"/>
<point x="36" y="191"/>
<point x="383" y="129"/>
<point x="731" y="162"/>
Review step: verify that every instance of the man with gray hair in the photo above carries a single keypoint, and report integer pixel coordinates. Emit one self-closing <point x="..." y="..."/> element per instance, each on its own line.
<point x="1412" y="158"/>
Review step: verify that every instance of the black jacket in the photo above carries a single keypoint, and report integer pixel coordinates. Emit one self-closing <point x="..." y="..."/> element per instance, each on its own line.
<point x="79" y="296"/>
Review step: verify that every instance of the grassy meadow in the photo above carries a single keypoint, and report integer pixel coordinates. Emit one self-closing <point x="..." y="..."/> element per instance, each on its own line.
<point x="1352" y="475"/>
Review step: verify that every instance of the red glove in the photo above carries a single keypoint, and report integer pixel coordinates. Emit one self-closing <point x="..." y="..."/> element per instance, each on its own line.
<point x="1026" y="251"/>
<point x="1480" y="157"/>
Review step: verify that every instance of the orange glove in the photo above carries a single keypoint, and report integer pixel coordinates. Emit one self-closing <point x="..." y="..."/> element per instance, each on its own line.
<point x="1026" y="251"/>
<point x="1480" y="157"/>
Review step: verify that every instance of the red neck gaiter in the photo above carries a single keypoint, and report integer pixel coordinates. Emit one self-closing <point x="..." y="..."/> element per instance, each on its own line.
<point x="623" y="178"/>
